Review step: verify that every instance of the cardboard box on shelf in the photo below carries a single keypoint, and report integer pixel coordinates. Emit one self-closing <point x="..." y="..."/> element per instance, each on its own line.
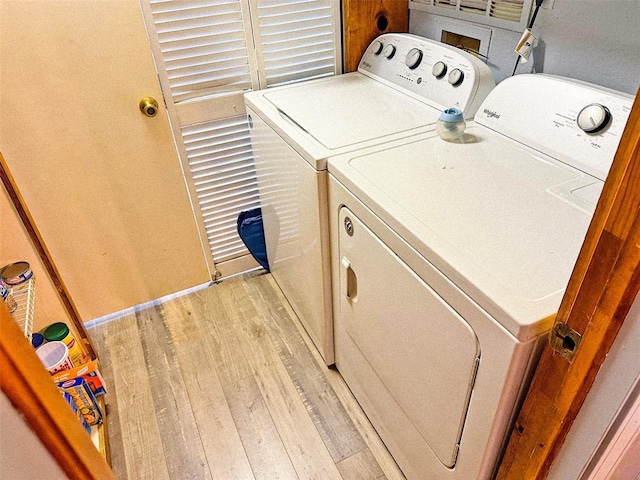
<point x="89" y="372"/>
<point x="84" y="399"/>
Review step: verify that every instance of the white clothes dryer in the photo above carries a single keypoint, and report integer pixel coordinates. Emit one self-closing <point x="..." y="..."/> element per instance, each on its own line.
<point x="450" y="260"/>
<point x="402" y="84"/>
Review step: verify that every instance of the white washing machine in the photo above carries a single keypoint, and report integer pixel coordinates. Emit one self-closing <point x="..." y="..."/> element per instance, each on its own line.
<point x="450" y="260"/>
<point x="402" y="83"/>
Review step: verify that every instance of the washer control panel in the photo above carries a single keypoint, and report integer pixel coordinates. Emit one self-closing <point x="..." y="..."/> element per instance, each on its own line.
<point x="578" y="123"/>
<point x="433" y="72"/>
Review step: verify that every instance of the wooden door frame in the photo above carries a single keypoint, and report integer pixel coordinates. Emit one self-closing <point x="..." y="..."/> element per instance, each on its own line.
<point x="602" y="287"/>
<point x="28" y="386"/>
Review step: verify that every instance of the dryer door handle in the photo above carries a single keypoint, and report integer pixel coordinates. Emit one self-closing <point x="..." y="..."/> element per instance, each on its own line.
<point x="350" y="280"/>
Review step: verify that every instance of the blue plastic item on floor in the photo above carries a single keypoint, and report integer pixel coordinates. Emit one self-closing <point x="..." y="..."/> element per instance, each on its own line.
<point x="251" y="232"/>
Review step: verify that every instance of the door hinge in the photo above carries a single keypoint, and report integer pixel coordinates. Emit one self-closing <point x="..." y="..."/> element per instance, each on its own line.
<point x="564" y="340"/>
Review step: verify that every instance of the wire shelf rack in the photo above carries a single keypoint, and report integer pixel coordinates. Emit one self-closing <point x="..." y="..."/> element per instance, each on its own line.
<point x="25" y="297"/>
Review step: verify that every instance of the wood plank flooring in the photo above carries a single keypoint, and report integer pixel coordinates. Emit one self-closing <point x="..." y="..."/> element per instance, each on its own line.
<point x="224" y="383"/>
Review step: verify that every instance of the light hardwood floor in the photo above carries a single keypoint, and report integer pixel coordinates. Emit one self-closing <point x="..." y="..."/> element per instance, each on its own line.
<point x="225" y="384"/>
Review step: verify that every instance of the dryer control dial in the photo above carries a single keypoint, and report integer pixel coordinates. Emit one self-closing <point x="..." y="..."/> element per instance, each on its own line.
<point x="413" y="58"/>
<point x="439" y="69"/>
<point x="389" y="51"/>
<point x="593" y="118"/>
<point x="376" y="47"/>
<point x="456" y="77"/>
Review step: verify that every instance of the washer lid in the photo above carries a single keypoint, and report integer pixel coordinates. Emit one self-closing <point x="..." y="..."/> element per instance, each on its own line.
<point x="498" y="218"/>
<point x="350" y="109"/>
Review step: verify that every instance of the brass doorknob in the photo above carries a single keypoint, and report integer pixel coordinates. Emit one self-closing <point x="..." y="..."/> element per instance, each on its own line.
<point x="149" y="106"/>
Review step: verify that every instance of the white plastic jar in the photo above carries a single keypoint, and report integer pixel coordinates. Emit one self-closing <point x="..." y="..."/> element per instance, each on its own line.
<point x="450" y="125"/>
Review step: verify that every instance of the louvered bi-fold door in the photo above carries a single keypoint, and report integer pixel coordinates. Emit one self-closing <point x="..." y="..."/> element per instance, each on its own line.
<point x="208" y="54"/>
<point x="297" y="42"/>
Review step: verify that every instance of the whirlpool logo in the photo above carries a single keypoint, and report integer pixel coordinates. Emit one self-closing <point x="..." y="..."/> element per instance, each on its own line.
<point x="491" y="113"/>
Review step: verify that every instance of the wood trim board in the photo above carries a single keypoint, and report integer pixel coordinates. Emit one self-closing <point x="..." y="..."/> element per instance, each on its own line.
<point x="364" y="20"/>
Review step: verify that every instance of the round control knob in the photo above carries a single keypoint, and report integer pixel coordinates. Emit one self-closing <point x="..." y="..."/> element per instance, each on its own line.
<point x="593" y="118"/>
<point x="413" y="59"/>
<point x="376" y="47"/>
<point x="439" y="69"/>
<point x="389" y="51"/>
<point x="455" y="77"/>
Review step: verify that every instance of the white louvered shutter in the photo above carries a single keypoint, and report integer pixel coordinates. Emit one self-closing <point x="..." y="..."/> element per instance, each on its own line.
<point x="296" y="43"/>
<point x="507" y="14"/>
<point x="203" y="46"/>
<point x="206" y="59"/>
<point x="221" y="165"/>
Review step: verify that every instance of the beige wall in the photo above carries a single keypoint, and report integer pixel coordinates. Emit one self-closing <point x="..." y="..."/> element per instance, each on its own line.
<point x="590" y="40"/>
